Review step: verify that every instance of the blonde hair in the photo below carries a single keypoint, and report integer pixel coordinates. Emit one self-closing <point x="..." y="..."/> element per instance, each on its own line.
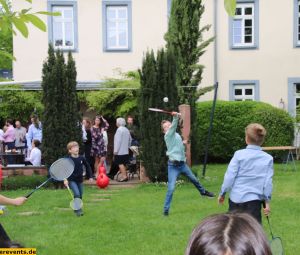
<point x="255" y="133"/>
<point x="72" y="144"/>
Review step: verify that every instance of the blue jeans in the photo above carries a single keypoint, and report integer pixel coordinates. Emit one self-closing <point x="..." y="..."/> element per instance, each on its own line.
<point x="174" y="170"/>
<point x="77" y="188"/>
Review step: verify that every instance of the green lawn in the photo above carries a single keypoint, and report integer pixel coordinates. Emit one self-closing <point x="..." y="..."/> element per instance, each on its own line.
<point x="131" y="222"/>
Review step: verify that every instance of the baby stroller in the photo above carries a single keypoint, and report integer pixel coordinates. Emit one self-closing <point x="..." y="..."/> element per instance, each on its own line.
<point x="133" y="167"/>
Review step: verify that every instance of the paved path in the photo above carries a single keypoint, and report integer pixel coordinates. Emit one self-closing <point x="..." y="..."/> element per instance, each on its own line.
<point x="115" y="184"/>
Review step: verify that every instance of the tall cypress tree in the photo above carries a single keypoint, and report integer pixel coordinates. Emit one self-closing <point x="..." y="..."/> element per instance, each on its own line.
<point x="157" y="81"/>
<point x="61" y="123"/>
<point x="185" y="39"/>
<point x="73" y="116"/>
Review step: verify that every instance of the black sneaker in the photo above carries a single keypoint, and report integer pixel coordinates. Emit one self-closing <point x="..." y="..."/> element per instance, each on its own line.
<point x="166" y="213"/>
<point x="208" y="194"/>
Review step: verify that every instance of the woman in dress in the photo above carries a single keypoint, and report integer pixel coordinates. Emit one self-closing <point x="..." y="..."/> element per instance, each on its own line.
<point x="98" y="150"/>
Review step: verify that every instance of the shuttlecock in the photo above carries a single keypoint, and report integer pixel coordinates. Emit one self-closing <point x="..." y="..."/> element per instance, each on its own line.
<point x="166" y="100"/>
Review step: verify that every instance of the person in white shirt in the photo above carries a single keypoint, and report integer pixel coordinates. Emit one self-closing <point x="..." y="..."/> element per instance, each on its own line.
<point x="35" y="154"/>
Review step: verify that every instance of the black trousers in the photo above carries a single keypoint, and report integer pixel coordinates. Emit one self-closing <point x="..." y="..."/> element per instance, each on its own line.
<point x="251" y="207"/>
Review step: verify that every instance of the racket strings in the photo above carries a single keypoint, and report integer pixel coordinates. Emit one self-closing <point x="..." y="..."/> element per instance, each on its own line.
<point x="62" y="169"/>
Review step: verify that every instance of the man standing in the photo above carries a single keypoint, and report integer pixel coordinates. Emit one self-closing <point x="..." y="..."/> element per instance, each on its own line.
<point x="177" y="161"/>
<point x="20" y="134"/>
<point x="133" y="129"/>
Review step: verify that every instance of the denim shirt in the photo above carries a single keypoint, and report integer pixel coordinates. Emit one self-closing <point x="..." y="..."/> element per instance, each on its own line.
<point x="175" y="147"/>
<point x="249" y="175"/>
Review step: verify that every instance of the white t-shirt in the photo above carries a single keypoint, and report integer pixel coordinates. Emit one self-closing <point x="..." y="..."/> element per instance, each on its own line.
<point x="35" y="157"/>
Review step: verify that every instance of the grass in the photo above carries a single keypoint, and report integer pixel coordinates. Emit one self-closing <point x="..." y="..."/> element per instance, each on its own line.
<point x="131" y="222"/>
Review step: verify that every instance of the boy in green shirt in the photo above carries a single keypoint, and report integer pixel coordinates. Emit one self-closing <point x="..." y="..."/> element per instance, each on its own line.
<point x="177" y="161"/>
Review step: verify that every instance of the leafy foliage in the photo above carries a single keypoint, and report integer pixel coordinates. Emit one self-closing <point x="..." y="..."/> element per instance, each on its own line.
<point x="185" y="38"/>
<point x="6" y="45"/>
<point x="20" y="21"/>
<point x="230" y="6"/>
<point x="158" y="75"/>
<point x="230" y="120"/>
<point x="18" y="104"/>
<point x="23" y="182"/>
<point x="115" y="99"/>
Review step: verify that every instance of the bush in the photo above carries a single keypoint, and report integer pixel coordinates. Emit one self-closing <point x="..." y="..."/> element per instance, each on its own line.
<point x="231" y="118"/>
<point x="23" y="182"/>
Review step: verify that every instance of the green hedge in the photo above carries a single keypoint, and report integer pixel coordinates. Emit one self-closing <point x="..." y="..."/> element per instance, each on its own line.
<point x="23" y="182"/>
<point x="230" y="120"/>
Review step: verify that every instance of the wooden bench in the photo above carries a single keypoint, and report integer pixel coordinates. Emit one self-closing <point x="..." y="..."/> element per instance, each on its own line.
<point x="290" y="157"/>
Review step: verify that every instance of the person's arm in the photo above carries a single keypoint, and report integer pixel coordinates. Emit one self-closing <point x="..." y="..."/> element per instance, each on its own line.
<point x="105" y="122"/>
<point x="12" y="201"/>
<point x="172" y="129"/>
<point x="129" y="140"/>
<point x="229" y="178"/>
<point x="117" y="142"/>
<point x="268" y="186"/>
<point x="29" y="136"/>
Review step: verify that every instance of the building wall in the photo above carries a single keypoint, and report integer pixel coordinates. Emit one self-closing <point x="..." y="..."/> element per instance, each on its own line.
<point x="149" y="23"/>
<point x="273" y="64"/>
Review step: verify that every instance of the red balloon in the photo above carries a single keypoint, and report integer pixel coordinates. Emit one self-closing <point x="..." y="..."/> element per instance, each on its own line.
<point x="101" y="169"/>
<point x="102" y="181"/>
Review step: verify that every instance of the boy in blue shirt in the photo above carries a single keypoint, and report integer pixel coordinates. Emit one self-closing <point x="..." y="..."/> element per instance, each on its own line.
<point x="249" y="176"/>
<point x="177" y="161"/>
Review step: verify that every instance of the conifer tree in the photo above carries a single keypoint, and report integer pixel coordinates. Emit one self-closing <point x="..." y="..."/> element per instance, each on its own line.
<point x="158" y="76"/>
<point x="61" y="119"/>
<point x="185" y="39"/>
<point x="73" y="116"/>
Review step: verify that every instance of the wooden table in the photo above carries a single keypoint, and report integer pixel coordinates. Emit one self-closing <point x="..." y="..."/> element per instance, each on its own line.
<point x="290" y="157"/>
<point x="4" y="155"/>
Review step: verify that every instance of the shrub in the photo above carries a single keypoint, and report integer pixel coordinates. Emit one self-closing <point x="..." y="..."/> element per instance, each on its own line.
<point x="230" y="120"/>
<point x="23" y="182"/>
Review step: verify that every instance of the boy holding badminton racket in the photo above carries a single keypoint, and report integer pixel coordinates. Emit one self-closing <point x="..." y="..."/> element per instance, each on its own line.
<point x="75" y="181"/>
<point x="177" y="161"/>
<point x="249" y="176"/>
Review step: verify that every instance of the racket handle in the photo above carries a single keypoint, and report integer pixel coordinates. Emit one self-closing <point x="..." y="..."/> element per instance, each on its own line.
<point x="264" y="204"/>
<point x="38" y="187"/>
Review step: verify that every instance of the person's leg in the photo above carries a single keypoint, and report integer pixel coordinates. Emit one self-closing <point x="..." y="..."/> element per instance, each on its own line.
<point x="188" y="173"/>
<point x="123" y="172"/>
<point x="97" y="160"/>
<point x="77" y="192"/>
<point x="10" y="158"/>
<point x="75" y="189"/>
<point x="113" y="170"/>
<point x="251" y="207"/>
<point x="254" y="209"/>
<point x="173" y="173"/>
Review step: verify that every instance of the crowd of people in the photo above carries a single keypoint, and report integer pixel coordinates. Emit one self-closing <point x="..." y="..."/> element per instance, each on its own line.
<point x="95" y="139"/>
<point x="25" y="142"/>
<point x="248" y="178"/>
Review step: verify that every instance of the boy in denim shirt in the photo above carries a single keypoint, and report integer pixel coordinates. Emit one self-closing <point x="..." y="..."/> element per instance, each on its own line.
<point x="249" y="176"/>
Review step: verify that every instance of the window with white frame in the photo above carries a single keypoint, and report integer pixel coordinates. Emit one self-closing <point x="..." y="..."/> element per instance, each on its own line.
<point x="298" y="23"/>
<point x="244" y="92"/>
<point x="117" y="28"/>
<point x="243" y="25"/>
<point x="297" y="97"/>
<point x="63" y="32"/>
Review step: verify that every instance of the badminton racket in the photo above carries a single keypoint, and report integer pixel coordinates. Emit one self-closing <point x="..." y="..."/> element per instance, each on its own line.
<point x="161" y="111"/>
<point x="76" y="203"/>
<point x="275" y="243"/>
<point x="60" y="170"/>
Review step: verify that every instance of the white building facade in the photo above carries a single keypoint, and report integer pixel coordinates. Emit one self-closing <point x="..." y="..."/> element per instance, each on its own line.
<point x="256" y="54"/>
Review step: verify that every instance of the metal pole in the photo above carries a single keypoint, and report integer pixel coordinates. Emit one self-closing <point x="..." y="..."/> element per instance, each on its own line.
<point x="210" y="129"/>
